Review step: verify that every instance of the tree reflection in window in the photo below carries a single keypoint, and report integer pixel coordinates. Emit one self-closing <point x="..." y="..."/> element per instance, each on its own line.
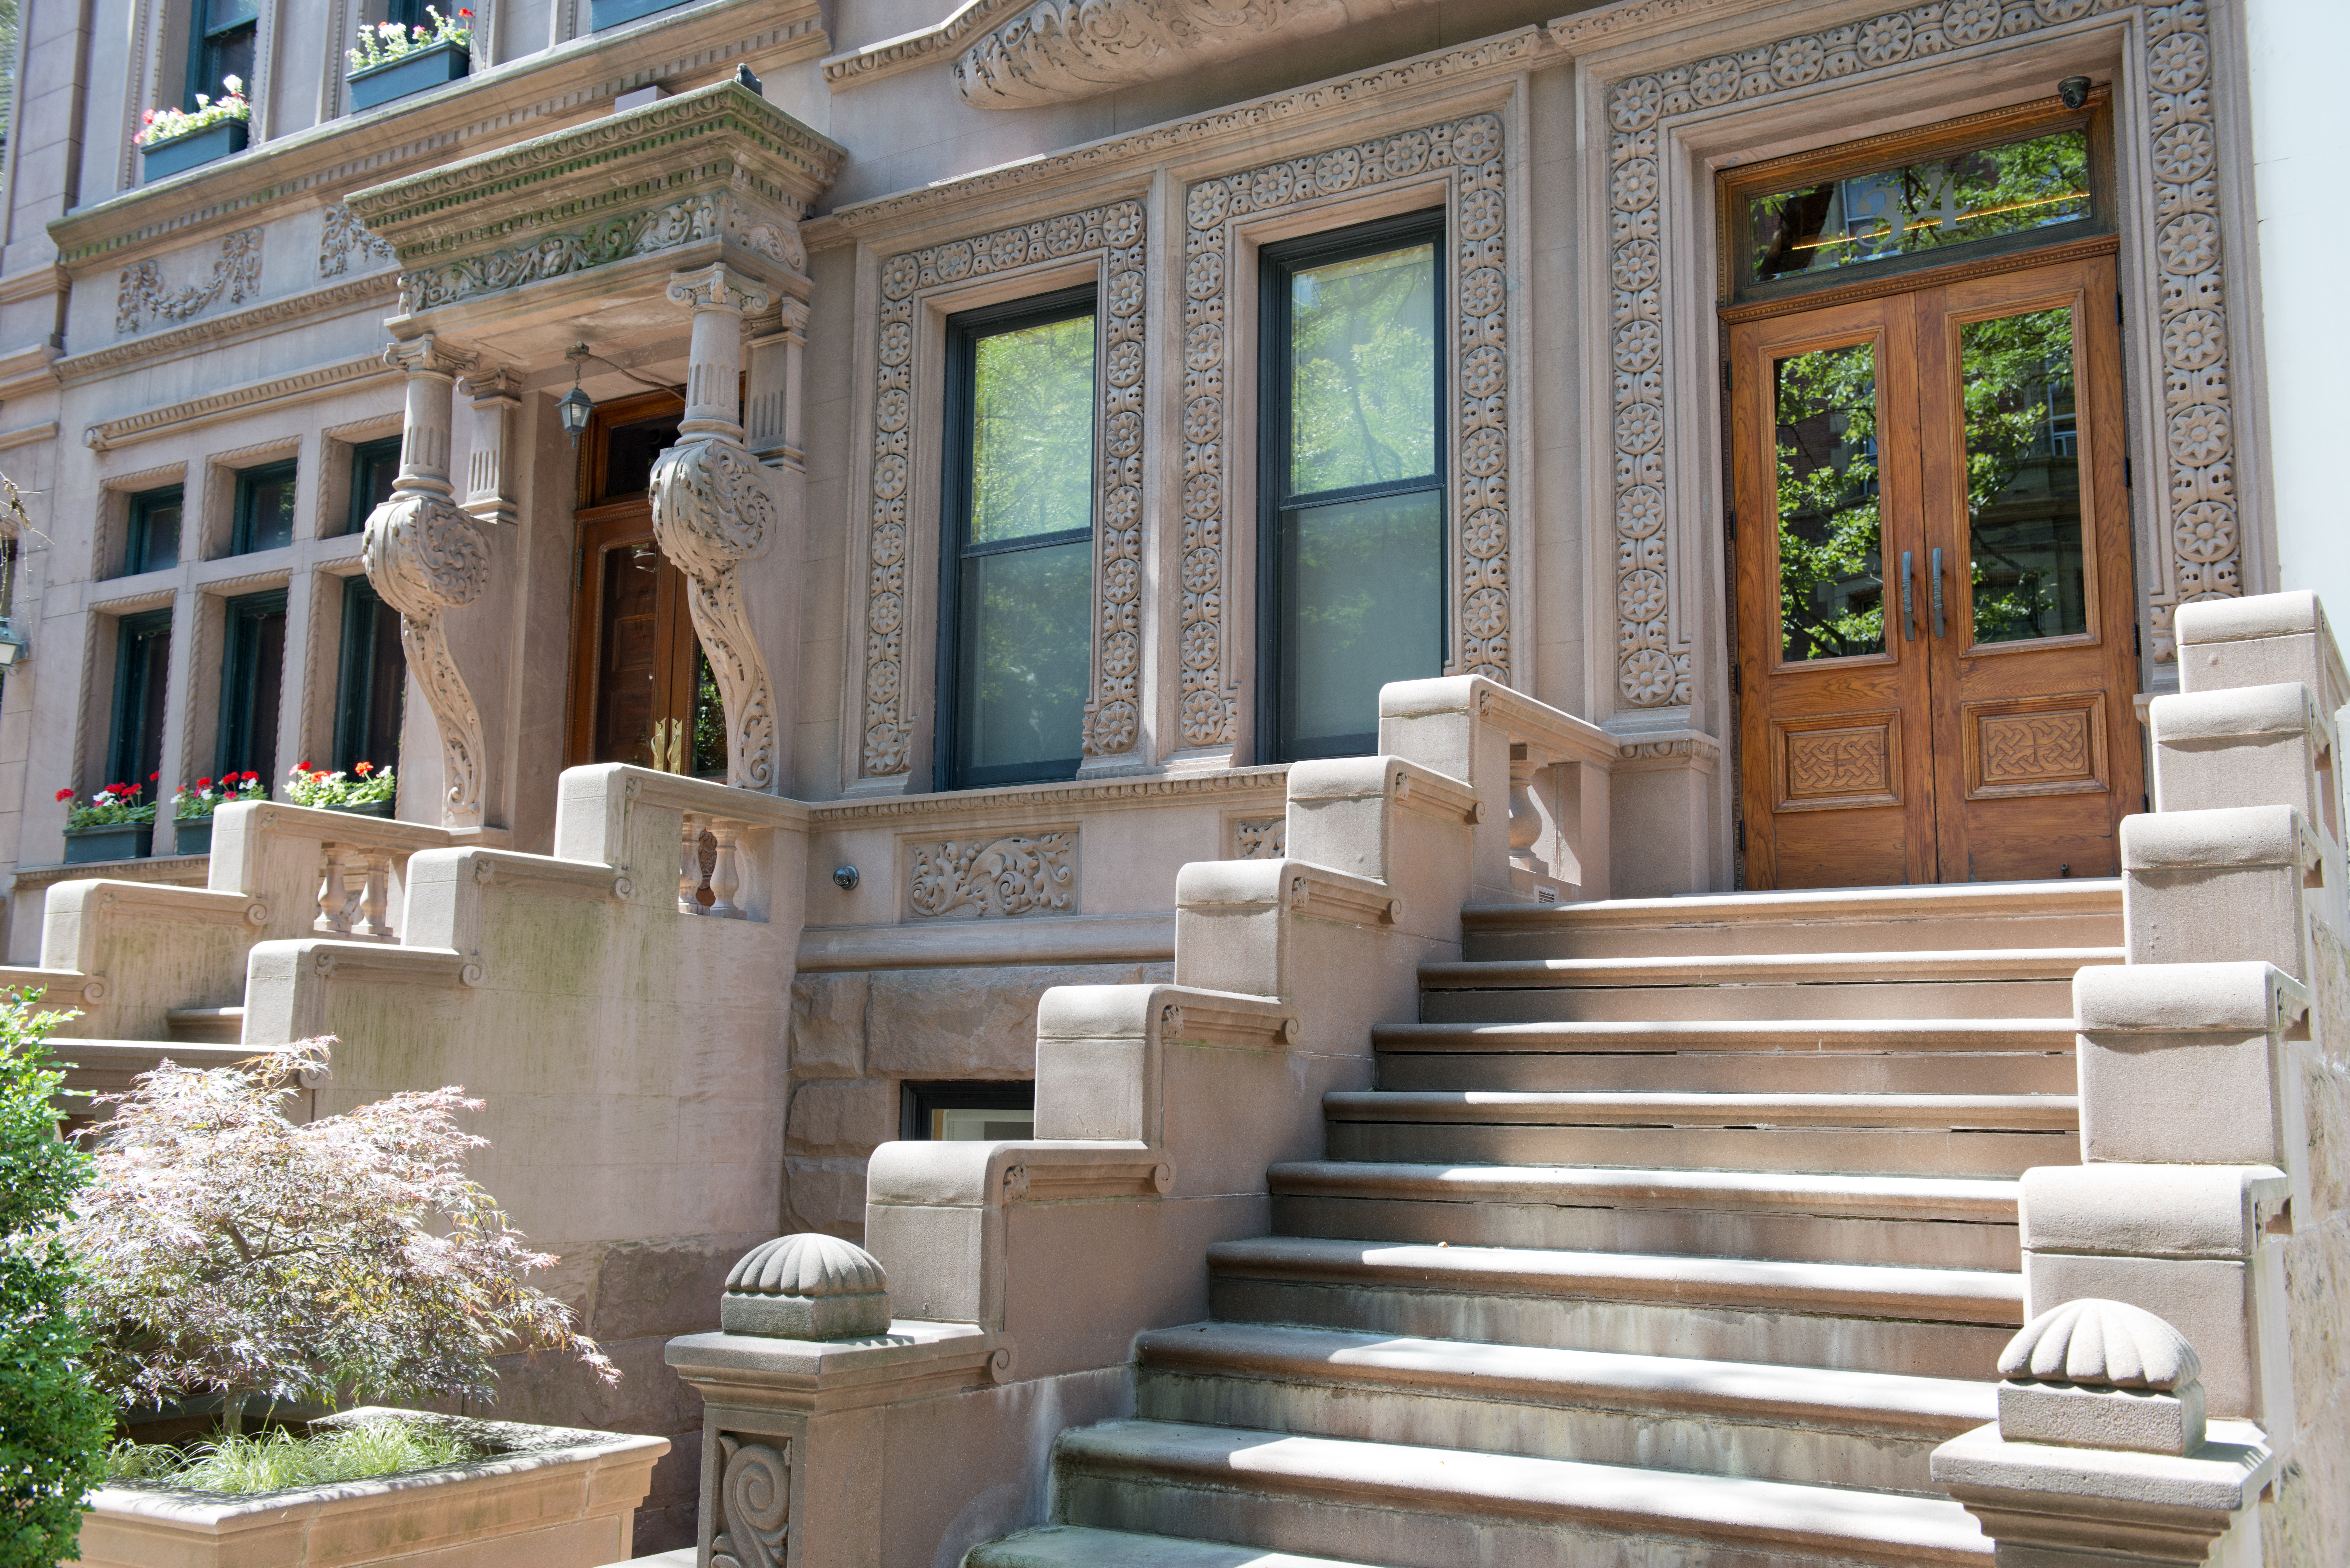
<point x="2023" y="477"/>
<point x="1831" y="575"/>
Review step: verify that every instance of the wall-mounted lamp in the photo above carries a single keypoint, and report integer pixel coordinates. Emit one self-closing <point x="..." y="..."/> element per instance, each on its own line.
<point x="575" y="407"/>
<point x="15" y="648"/>
<point x="2074" y="90"/>
<point x="845" y="878"/>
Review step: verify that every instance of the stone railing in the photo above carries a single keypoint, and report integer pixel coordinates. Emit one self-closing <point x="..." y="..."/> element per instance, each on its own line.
<point x="2214" y="1102"/>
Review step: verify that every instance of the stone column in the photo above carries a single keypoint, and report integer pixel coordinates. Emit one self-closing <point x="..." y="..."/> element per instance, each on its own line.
<point x="497" y="425"/>
<point x="427" y="557"/>
<point x="775" y="369"/>
<point x="731" y="526"/>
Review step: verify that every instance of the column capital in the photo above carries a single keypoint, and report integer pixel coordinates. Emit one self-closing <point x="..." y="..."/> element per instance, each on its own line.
<point x="720" y="287"/>
<point x="428" y="355"/>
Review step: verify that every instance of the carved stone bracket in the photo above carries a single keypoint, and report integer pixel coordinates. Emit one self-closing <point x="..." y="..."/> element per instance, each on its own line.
<point x="1471" y="150"/>
<point x="2181" y="157"/>
<point x="714" y="510"/>
<point x="425" y="555"/>
<point x="755" y="1503"/>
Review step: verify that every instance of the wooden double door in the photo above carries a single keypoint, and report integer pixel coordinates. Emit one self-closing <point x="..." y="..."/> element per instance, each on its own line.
<point x="642" y="692"/>
<point x="1935" y="613"/>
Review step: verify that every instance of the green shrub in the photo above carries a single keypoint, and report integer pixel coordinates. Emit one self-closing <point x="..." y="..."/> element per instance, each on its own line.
<point x="54" y="1419"/>
<point x="276" y="1460"/>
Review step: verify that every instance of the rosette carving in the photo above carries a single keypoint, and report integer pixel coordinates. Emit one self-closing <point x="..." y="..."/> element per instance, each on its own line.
<point x="426" y="555"/>
<point x="712" y="512"/>
<point x="754" y="1503"/>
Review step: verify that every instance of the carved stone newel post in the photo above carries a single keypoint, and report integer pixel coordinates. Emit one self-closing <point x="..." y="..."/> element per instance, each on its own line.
<point x="717" y="511"/>
<point x="426" y="555"/>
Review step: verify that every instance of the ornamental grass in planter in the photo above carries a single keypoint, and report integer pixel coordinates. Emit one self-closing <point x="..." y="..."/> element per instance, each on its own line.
<point x="230" y="1255"/>
<point x="113" y="824"/>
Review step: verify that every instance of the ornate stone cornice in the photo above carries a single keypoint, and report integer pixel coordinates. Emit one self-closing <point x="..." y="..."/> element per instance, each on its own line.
<point x="1496" y="58"/>
<point x="314" y="167"/>
<point x="1627" y="17"/>
<point x="104" y="362"/>
<point x="856" y="67"/>
<point x="1057" y="51"/>
<point x="1111" y="795"/>
<point x="108" y="434"/>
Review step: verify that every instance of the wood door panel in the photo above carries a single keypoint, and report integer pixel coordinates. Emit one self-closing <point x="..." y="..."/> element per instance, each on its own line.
<point x="2035" y="746"/>
<point x="1836" y="761"/>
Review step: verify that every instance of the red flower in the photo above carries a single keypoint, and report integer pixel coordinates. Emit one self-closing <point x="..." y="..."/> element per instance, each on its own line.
<point x="201" y="783"/>
<point x="462" y="12"/>
<point x="252" y="778"/>
<point x="364" y="769"/>
<point x="153" y="776"/>
<point x="65" y="795"/>
<point x="300" y="767"/>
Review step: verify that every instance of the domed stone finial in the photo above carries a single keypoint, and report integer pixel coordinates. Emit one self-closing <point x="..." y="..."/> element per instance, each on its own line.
<point x="2093" y="1374"/>
<point x="807" y="1286"/>
<point x="2094" y="1344"/>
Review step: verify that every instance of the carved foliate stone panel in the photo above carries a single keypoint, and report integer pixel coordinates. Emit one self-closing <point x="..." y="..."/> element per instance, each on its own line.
<point x="1653" y="660"/>
<point x="1260" y="837"/>
<point x="1007" y="877"/>
<point x="754" y="1503"/>
<point x="342" y="239"/>
<point x="425" y="555"/>
<point x="236" y="277"/>
<point x="1471" y="150"/>
<point x="1115" y="232"/>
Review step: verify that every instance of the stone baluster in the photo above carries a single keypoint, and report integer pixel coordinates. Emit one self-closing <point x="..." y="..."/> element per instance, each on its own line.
<point x="341" y="895"/>
<point x="1525" y="822"/>
<point x="426" y="555"/>
<point x="378" y="923"/>
<point x="714" y="511"/>
<point x="688" y="875"/>
<point x="726" y="872"/>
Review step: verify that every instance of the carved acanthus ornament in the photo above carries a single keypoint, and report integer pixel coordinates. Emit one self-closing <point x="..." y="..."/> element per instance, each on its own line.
<point x="426" y="555"/>
<point x="1006" y="877"/>
<point x="1059" y="51"/>
<point x="755" y="1503"/>
<point x="716" y="509"/>
<point x="236" y="277"/>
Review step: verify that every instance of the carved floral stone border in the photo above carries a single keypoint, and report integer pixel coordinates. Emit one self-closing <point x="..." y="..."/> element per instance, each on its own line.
<point x="1472" y="148"/>
<point x="1116" y="233"/>
<point x="1653" y="667"/>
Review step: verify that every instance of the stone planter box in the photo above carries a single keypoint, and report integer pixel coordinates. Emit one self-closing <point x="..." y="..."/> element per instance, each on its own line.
<point x="192" y="836"/>
<point x="119" y="841"/>
<point x="554" y="1498"/>
<point x="603" y="13"/>
<point x="162" y="159"/>
<point x="436" y="67"/>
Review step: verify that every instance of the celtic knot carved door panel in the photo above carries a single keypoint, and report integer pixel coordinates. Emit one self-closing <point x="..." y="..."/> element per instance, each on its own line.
<point x="1934" y="583"/>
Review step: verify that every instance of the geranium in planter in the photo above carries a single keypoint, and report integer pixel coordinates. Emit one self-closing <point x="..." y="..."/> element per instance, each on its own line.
<point x="229" y="1252"/>
<point x="192" y="809"/>
<point x="114" y="825"/>
<point x="392" y="61"/>
<point x="170" y="140"/>
<point x="366" y="790"/>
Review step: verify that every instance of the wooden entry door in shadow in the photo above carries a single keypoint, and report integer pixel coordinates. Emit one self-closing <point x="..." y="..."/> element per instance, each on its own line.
<point x="1934" y="585"/>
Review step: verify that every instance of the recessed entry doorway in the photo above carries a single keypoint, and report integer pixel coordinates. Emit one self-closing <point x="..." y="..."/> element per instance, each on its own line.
<point x="1933" y="590"/>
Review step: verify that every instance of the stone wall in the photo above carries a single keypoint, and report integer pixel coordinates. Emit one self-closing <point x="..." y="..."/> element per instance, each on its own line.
<point x="858" y="1035"/>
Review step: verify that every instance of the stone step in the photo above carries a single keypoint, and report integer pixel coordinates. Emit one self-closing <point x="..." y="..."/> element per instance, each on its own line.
<point x="108" y="1066"/>
<point x="2077" y="912"/>
<point x="1911" y="1134"/>
<point x="1463" y="996"/>
<point x="1865" y="1430"/>
<point x="206" y="1025"/>
<point x="1911" y="1222"/>
<point x="1929" y="1323"/>
<point x="1073" y="1546"/>
<point x="1414" y="1507"/>
<point x="1804" y="1056"/>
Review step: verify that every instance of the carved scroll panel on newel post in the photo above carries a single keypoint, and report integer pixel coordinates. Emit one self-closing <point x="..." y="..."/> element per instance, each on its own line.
<point x="2200" y="550"/>
<point x="1470" y="153"/>
<point x="426" y="555"/>
<point x="1113" y="235"/>
<point x="717" y="511"/>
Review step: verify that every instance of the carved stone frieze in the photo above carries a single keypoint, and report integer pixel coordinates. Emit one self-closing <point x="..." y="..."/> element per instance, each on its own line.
<point x="426" y="555"/>
<point x="1057" y="50"/>
<point x="1470" y="150"/>
<point x="1260" y="837"/>
<point x="236" y="277"/>
<point x="714" y="509"/>
<point x="617" y="238"/>
<point x="1006" y="877"/>
<point x="2204" y="533"/>
<point x="1115" y="234"/>
<point x="343" y="237"/>
<point x="755" y="1503"/>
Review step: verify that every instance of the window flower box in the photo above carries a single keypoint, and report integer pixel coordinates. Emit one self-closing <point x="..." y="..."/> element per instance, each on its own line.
<point x="177" y="154"/>
<point x="367" y="808"/>
<point x="603" y="13"/>
<point x="548" y="1496"/>
<point x="417" y="71"/>
<point x="114" y="841"/>
<point x="192" y="836"/>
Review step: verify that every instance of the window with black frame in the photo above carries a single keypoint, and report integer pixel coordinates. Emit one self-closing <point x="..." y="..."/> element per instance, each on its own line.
<point x="1351" y="508"/>
<point x="1015" y="633"/>
<point x="221" y="45"/>
<point x="374" y="465"/>
<point x="252" y="680"/>
<point x="373" y="680"/>
<point x="264" y="518"/>
<point x="152" y="532"/>
<point x="142" y="665"/>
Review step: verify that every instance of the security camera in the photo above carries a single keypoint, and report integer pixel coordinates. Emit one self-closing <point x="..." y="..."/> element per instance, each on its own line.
<point x="2074" y="90"/>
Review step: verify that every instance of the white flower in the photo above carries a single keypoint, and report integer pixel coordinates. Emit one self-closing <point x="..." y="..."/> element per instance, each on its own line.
<point x="235" y="85"/>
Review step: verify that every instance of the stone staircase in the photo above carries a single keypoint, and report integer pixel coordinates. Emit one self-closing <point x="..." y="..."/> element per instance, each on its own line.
<point x="1679" y="1231"/>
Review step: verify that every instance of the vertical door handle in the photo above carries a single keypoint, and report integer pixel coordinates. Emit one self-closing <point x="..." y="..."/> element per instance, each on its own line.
<point x="1936" y="566"/>
<point x="1909" y="601"/>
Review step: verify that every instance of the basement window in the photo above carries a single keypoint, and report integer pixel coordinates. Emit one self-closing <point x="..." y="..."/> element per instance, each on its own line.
<point x="967" y="1112"/>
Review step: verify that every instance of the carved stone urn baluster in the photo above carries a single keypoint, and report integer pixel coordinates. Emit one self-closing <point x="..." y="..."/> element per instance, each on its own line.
<point x="715" y="510"/>
<point x="425" y="555"/>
